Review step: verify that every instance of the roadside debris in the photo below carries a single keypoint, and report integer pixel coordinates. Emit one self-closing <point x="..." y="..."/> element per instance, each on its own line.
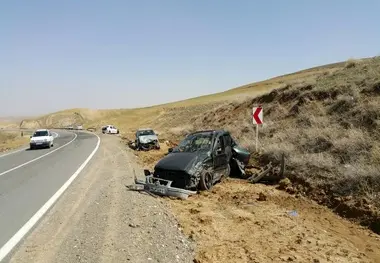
<point x="160" y="187"/>
<point x="145" y="139"/>
<point x="91" y="129"/>
<point x="293" y="213"/>
<point x="199" y="161"/>
<point x="270" y="173"/>
<point x="262" y="197"/>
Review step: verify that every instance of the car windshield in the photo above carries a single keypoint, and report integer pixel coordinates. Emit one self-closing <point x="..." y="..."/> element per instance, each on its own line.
<point x="195" y="142"/>
<point x="40" y="133"/>
<point x="145" y="132"/>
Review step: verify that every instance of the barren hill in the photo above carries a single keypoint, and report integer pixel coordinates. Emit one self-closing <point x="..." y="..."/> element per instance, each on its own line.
<point x="132" y="118"/>
<point x="325" y="119"/>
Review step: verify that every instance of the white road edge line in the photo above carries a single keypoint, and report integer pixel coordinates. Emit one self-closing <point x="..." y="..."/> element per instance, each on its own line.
<point x="21" y="165"/>
<point x="4" y="250"/>
<point x="23" y="149"/>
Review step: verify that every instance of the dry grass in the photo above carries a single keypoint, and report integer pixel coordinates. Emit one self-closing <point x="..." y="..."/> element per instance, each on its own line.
<point x="11" y="140"/>
<point x="329" y="132"/>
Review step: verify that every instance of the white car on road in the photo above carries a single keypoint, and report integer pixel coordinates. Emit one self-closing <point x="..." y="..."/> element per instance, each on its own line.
<point x="110" y="129"/>
<point x="41" y="138"/>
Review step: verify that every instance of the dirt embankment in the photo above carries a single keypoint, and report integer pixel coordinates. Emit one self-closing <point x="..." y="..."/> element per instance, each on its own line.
<point x="242" y="222"/>
<point x="329" y="130"/>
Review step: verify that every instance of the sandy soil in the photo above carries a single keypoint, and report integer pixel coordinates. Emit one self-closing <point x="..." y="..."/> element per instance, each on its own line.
<point x="242" y="222"/>
<point x="99" y="220"/>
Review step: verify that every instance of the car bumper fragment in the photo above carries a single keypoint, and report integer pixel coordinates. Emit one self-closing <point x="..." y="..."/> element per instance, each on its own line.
<point x="160" y="187"/>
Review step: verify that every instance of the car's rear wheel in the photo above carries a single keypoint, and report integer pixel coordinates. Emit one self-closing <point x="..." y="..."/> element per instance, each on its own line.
<point x="206" y="181"/>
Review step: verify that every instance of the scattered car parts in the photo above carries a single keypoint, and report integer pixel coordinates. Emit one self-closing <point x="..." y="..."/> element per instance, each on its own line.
<point x="160" y="187"/>
<point x="270" y="173"/>
<point x="199" y="161"/>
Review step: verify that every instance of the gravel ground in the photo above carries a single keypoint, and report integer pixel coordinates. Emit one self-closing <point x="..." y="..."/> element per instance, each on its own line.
<point x="99" y="220"/>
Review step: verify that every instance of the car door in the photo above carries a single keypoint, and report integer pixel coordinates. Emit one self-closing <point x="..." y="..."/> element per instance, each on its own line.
<point x="228" y="146"/>
<point x="220" y="156"/>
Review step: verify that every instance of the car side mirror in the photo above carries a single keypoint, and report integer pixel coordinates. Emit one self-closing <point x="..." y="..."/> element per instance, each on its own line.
<point x="31" y="136"/>
<point x="170" y="150"/>
<point x="147" y="172"/>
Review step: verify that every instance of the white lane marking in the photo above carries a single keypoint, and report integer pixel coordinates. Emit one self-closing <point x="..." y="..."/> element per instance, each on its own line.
<point x="4" y="250"/>
<point x="56" y="134"/>
<point x="46" y="154"/>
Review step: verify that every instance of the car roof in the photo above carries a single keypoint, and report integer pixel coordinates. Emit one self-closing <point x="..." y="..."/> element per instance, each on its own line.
<point x="145" y="129"/>
<point x="210" y="131"/>
<point x="42" y="130"/>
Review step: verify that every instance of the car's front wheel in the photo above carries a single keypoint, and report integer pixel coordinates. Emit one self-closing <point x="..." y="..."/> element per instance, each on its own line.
<point x="206" y="180"/>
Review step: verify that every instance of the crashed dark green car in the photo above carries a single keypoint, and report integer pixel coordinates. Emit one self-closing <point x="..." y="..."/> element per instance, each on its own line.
<point x="202" y="159"/>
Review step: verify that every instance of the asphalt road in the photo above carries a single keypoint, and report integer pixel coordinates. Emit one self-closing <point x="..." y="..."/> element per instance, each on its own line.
<point x="29" y="178"/>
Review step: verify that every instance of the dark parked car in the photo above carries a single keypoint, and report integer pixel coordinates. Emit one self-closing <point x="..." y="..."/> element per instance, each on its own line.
<point x="201" y="160"/>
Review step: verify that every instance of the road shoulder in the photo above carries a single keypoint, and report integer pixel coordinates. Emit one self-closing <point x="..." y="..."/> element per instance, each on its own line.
<point x="98" y="220"/>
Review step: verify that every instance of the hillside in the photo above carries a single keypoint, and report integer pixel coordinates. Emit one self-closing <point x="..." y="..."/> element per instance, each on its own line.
<point x="132" y="118"/>
<point x="329" y="131"/>
<point x="326" y="120"/>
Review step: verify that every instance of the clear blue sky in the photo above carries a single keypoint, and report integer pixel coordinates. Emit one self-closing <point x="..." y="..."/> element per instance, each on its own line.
<point x="56" y="55"/>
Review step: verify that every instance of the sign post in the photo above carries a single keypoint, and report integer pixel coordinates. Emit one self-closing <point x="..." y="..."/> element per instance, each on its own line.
<point x="257" y="118"/>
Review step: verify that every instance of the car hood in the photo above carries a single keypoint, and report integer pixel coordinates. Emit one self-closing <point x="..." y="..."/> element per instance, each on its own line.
<point x="40" y="138"/>
<point x="181" y="161"/>
<point x="147" y="138"/>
